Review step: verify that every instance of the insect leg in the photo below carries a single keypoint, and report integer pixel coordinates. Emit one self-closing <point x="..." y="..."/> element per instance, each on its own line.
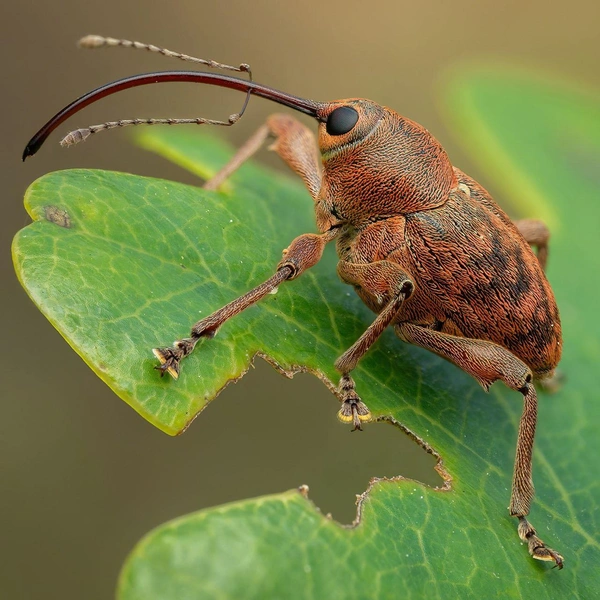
<point x="293" y="141"/>
<point x="242" y="154"/>
<point x="537" y="234"/>
<point x="488" y="362"/>
<point x="389" y="286"/>
<point x="304" y="252"/>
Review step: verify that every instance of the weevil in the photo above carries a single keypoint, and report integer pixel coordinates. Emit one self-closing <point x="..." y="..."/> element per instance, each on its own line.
<point x="422" y="243"/>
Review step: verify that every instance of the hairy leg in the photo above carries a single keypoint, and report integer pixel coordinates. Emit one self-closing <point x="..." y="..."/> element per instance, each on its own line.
<point x="304" y="252"/>
<point x="488" y="362"/>
<point x="390" y="286"/>
<point x="293" y="141"/>
<point x="297" y="146"/>
<point x="537" y="234"/>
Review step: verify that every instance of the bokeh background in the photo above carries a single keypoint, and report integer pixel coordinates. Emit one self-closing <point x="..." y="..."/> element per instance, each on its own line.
<point x="83" y="477"/>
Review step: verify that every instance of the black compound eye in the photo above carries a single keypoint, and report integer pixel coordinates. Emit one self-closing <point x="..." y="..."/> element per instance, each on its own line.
<point x="341" y="120"/>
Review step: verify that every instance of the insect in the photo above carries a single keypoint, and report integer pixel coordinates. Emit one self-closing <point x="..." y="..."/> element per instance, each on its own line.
<point x="423" y="244"/>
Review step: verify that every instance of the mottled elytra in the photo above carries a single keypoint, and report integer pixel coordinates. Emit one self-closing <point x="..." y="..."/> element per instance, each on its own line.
<point x="423" y="244"/>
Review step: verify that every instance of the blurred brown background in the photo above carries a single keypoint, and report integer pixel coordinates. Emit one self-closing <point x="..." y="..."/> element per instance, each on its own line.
<point x="83" y="477"/>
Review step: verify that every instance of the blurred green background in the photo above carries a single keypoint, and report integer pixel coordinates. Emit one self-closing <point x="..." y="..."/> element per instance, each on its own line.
<point x="83" y="476"/>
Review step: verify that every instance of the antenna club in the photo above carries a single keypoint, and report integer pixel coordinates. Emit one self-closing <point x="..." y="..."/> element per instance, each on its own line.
<point x="74" y="137"/>
<point x="91" y="41"/>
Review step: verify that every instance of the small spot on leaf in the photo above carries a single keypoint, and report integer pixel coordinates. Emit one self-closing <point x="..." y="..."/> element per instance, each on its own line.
<point x="58" y="216"/>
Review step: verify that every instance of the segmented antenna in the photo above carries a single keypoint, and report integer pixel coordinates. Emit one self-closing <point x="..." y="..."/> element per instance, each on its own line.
<point x="80" y="135"/>
<point x="97" y="41"/>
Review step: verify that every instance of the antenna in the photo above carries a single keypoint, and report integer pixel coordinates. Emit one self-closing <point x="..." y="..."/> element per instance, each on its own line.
<point x="309" y="107"/>
<point x="98" y="41"/>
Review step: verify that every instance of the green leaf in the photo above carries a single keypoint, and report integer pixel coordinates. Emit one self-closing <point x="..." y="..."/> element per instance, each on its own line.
<point x="114" y="285"/>
<point x="121" y="264"/>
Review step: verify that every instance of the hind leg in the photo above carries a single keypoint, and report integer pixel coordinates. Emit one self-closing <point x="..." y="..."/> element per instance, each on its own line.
<point x="488" y="362"/>
<point x="537" y="234"/>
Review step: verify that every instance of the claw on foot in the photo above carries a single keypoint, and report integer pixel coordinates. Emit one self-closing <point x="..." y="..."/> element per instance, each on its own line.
<point x="170" y="357"/>
<point x="169" y="363"/>
<point x="536" y="546"/>
<point x="354" y="411"/>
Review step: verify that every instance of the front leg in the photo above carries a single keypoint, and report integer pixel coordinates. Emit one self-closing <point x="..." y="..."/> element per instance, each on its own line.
<point x="390" y="286"/>
<point x="304" y="252"/>
<point x="488" y="362"/>
<point x="292" y="140"/>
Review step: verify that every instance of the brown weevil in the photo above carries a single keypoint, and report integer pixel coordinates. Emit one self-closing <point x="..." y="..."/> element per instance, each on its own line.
<point x="423" y="244"/>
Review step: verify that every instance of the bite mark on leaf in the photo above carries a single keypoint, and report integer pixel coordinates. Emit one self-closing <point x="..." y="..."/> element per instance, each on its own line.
<point x="303" y="490"/>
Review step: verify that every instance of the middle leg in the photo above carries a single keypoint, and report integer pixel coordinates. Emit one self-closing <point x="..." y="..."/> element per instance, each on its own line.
<point x="389" y="286"/>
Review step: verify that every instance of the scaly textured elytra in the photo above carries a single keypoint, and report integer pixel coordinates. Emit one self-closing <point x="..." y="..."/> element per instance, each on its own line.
<point x="424" y="246"/>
